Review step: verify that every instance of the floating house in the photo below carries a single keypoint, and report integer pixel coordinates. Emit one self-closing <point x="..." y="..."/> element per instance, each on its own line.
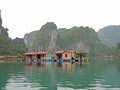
<point x="29" y="55"/>
<point x="64" y="54"/>
<point x="35" y="55"/>
<point x="41" y="55"/>
<point x="82" y="56"/>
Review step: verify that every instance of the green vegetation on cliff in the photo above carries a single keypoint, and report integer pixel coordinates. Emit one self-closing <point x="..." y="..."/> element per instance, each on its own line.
<point x="116" y="50"/>
<point x="7" y="47"/>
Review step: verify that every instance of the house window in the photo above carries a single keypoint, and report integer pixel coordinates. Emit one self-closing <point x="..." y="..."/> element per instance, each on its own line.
<point x="65" y="55"/>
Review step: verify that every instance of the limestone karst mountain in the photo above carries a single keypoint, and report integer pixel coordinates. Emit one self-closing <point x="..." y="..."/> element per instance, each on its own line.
<point x="110" y="35"/>
<point x="81" y="39"/>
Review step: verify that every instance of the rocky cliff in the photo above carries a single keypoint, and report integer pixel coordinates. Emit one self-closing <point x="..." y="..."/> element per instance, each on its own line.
<point x="3" y="31"/>
<point x="28" y="39"/>
<point x="45" y="39"/>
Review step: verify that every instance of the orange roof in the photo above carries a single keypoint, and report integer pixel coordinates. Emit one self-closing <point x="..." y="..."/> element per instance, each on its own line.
<point x="70" y="51"/>
<point x="30" y="53"/>
<point x="62" y="51"/>
<point x="41" y="52"/>
<point x="33" y="53"/>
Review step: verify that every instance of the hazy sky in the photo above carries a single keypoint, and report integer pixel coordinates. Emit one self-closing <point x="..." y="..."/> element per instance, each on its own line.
<point x="24" y="16"/>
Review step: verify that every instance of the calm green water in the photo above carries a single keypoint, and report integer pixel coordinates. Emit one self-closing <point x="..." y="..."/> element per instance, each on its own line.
<point x="93" y="75"/>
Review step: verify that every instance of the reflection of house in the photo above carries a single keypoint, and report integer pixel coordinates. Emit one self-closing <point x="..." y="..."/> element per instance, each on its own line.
<point x="41" y="67"/>
<point x="35" y="55"/>
<point x="68" y="66"/>
<point x="65" y="54"/>
<point x="64" y="66"/>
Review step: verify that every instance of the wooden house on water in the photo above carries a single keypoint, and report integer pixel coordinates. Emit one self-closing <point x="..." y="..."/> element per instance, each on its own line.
<point x="35" y="55"/>
<point x="71" y="55"/>
<point x="82" y="51"/>
<point x="64" y="54"/>
<point x="29" y="55"/>
<point x="82" y="56"/>
<point x="41" y="55"/>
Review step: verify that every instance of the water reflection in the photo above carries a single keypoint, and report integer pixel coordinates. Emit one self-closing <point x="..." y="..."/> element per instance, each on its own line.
<point x="41" y="66"/>
<point x="97" y="74"/>
<point x="64" y="66"/>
